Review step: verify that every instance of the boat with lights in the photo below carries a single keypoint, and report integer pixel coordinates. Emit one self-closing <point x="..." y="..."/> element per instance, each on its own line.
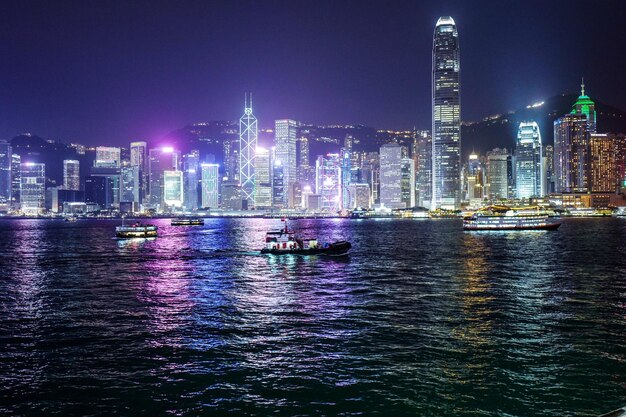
<point x="508" y="218"/>
<point x="136" y="230"/>
<point x="285" y="242"/>
<point x="187" y="221"/>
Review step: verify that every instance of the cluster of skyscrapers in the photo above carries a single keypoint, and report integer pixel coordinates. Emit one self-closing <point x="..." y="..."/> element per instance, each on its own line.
<point x="583" y="167"/>
<point x="413" y="169"/>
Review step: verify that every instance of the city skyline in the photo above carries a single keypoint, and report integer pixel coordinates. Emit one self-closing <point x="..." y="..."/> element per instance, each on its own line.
<point x="149" y="116"/>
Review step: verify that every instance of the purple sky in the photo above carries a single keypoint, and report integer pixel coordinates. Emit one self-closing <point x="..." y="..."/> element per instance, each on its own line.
<point x="107" y="72"/>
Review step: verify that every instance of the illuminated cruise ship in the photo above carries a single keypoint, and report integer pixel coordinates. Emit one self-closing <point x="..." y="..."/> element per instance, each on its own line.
<point x="506" y="218"/>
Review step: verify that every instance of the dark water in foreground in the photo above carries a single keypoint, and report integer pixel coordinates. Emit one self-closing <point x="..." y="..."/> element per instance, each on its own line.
<point x="421" y="319"/>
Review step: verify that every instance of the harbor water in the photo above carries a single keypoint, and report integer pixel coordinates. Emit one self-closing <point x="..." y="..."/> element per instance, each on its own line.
<point x="420" y="319"/>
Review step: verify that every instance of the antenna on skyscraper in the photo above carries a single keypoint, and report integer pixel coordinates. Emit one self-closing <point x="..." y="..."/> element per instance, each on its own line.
<point x="582" y="86"/>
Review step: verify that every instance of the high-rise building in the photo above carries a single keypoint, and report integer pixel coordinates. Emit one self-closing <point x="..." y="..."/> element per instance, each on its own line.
<point x="571" y="154"/>
<point x="130" y="187"/>
<point x="303" y="160"/>
<point x="346" y="174"/>
<point x="210" y="185"/>
<point x="422" y="155"/>
<point x="529" y="172"/>
<point x="138" y="158"/>
<point x="231" y="159"/>
<point x="328" y="181"/>
<point x="5" y="175"/>
<point x="370" y="173"/>
<point x="263" y="179"/>
<point x="278" y="185"/>
<point x="71" y="175"/>
<point x="499" y="174"/>
<point x="604" y="171"/>
<point x="407" y="184"/>
<point x="159" y="161"/>
<point x="173" y="194"/>
<point x="191" y="179"/>
<point x="108" y="157"/>
<point x="446" y="132"/>
<point x="391" y="176"/>
<point x="584" y="105"/>
<point x="33" y="188"/>
<point x="474" y="178"/>
<point x="231" y="195"/>
<point x="620" y="161"/>
<point x="248" y="139"/>
<point x="548" y="153"/>
<point x="97" y="191"/>
<point x="16" y="181"/>
<point x="305" y="171"/>
<point x="138" y="154"/>
<point x="360" y="196"/>
<point x="286" y="136"/>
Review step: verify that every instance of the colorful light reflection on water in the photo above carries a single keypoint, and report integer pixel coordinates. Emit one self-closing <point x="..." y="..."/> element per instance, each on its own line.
<point x="420" y="319"/>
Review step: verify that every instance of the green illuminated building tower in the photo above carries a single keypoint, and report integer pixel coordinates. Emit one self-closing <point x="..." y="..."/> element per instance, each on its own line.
<point x="584" y="105"/>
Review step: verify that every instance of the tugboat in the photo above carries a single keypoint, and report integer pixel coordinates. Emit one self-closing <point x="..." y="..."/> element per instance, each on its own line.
<point x="137" y="230"/>
<point x="285" y="242"/>
<point x="506" y="218"/>
<point x="187" y="221"/>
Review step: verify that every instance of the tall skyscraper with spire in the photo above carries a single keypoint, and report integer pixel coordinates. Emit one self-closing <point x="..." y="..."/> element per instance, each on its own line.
<point x="446" y="133"/>
<point x="248" y="139"/>
<point x="584" y="105"/>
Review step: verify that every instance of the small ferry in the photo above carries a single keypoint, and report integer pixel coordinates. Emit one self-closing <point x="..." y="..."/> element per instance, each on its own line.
<point x="506" y="218"/>
<point x="187" y="221"/>
<point x="136" y="230"/>
<point x="284" y="242"/>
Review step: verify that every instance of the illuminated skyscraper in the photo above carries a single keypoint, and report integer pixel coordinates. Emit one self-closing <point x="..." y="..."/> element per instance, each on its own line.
<point x="231" y="159"/>
<point x="422" y="155"/>
<point x="130" y="185"/>
<point x="33" y="188"/>
<point x="138" y="158"/>
<point x="499" y="174"/>
<point x="191" y="179"/>
<point x="71" y="175"/>
<point x="391" y="176"/>
<point x="529" y="172"/>
<point x="370" y="173"/>
<point x="16" y="181"/>
<point x="328" y="181"/>
<point x="548" y="153"/>
<point x="407" y="183"/>
<point x="604" y="171"/>
<point x="286" y="133"/>
<point x="160" y="160"/>
<point x="474" y="179"/>
<point x="263" y="179"/>
<point x="571" y="154"/>
<point x="346" y="174"/>
<point x="248" y="138"/>
<point x="584" y="105"/>
<point x="173" y="189"/>
<point x="360" y="195"/>
<point x="108" y="157"/>
<point x="446" y="155"/>
<point x="210" y="185"/>
<point x="138" y="155"/>
<point x="5" y="174"/>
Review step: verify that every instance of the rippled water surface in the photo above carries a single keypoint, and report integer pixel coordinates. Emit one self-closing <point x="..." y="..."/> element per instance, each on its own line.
<point x="421" y="319"/>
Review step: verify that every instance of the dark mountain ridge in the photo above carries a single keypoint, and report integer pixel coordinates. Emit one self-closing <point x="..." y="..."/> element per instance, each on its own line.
<point x="500" y="131"/>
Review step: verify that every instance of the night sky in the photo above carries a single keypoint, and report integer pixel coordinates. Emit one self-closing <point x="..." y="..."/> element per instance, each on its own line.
<point x="100" y="72"/>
